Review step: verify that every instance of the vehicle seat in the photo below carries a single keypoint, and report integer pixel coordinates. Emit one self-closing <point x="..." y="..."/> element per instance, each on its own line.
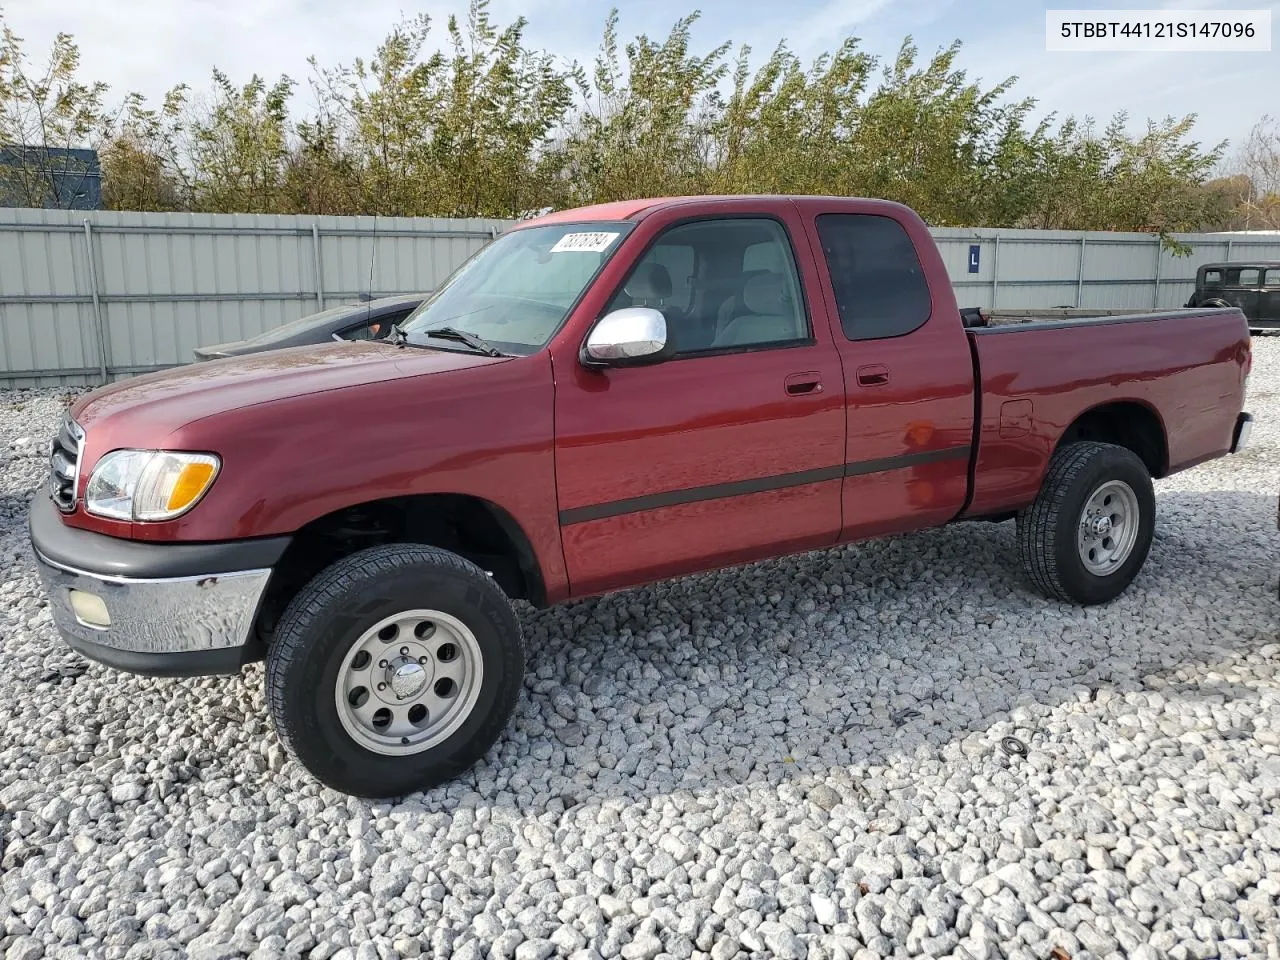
<point x="732" y="307"/>
<point x="771" y="315"/>
<point x="649" y="286"/>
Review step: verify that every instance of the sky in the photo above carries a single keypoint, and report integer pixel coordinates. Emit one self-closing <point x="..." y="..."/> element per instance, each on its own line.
<point x="149" y="45"/>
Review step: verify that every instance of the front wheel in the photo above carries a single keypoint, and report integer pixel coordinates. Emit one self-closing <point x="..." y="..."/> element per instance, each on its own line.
<point x="395" y="669"/>
<point x="1088" y="532"/>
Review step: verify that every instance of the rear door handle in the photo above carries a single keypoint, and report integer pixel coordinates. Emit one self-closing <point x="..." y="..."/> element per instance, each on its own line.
<point x="874" y="375"/>
<point x="799" y="384"/>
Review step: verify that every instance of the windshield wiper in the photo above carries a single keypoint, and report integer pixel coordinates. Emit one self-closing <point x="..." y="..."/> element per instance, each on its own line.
<point x="462" y="336"/>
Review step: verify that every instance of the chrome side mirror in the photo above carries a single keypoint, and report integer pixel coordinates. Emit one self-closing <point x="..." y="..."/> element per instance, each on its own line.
<point x="630" y="337"/>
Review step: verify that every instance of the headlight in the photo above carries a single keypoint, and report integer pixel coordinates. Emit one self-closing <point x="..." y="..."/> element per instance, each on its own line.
<point x="149" y="484"/>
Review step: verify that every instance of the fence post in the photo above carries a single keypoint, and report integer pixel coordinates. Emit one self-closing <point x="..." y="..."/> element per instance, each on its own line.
<point x="315" y="252"/>
<point x="995" y="272"/>
<point x="1228" y="251"/>
<point x="99" y="326"/>
<point x="1080" y="275"/>
<point x="1155" y="292"/>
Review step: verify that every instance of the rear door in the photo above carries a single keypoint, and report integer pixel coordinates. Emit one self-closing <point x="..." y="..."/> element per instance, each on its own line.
<point x="1269" y="300"/>
<point x="730" y="451"/>
<point x="908" y="373"/>
<point x="1243" y="289"/>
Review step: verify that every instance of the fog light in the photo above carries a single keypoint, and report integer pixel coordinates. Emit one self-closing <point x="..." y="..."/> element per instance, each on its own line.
<point x="90" y="609"/>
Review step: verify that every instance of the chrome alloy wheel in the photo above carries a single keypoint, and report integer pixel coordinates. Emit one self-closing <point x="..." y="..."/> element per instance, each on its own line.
<point x="1108" y="528"/>
<point x="409" y="682"/>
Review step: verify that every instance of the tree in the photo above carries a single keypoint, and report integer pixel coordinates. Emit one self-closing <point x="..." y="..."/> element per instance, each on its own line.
<point x="240" y="146"/>
<point x="456" y="134"/>
<point x="142" y="165"/>
<point x="1256" y="166"/>
<point x="488" y="126"/>
<point x="648" y="134"/>
<point x="1112" y="181"/>
<point x="50" y="122"/>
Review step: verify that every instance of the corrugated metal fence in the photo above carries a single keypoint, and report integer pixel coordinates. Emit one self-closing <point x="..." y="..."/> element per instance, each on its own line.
<point x="1036" y="269"/>
<point x="84" y="297"/>
<point x="87" y="298"/>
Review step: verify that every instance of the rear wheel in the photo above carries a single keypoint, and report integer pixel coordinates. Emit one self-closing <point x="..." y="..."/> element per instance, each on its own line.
<point x="1088" y="532"/>
<point x="394" y="669"/>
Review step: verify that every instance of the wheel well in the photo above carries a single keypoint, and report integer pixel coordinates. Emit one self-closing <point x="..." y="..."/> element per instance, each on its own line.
<point x="476" y="529"/>
<point x="1126" y="424"/>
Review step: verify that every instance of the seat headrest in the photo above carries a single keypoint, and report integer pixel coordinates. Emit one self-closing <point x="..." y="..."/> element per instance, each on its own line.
<point x="651" y="281"/>
<point x="766" y="293"/>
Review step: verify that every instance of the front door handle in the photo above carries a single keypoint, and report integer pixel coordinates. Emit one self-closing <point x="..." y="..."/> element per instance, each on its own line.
<point x="874" y="375"/>
<point x="799" y="384"/>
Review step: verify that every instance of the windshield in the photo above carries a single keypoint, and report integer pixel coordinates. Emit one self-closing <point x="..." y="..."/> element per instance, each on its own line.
<point x="516" y="291"/>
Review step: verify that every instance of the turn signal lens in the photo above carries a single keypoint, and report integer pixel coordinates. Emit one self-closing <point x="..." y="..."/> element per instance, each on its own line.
<point x="193" y="480"/>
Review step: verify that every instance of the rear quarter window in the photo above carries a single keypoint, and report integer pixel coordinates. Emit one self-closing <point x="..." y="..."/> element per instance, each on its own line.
<point x="879" y="284"/>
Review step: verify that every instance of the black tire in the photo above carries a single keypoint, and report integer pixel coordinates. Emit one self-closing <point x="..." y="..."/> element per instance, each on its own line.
<point x="1047" y="530"/>
<point x="331" y="613"/>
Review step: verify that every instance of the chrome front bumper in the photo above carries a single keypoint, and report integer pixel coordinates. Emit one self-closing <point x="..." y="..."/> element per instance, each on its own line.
<point x="175" y="626"/>
<point x="177" y="615"/>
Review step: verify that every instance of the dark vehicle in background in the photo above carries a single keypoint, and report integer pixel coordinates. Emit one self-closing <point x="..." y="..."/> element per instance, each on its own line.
<point x="1252" y="286"/>
<point x="369" y="320"/>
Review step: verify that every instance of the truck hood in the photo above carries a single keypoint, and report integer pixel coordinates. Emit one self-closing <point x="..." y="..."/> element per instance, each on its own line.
<point x="144" y="410"/>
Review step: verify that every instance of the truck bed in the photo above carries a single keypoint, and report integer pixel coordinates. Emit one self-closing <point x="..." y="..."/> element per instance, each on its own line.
<point x="1036" y="379"/>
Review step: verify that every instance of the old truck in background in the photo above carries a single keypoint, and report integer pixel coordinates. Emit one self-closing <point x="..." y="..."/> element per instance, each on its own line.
<point x="600" y="398"/>
<point x="1253" y="287"/>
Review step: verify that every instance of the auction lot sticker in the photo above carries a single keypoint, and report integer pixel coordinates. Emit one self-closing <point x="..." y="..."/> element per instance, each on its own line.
<point x="1163" y="31"/>
<point x="584" y="242"/>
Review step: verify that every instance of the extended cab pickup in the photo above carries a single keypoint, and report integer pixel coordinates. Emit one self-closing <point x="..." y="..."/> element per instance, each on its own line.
<point x="599" y="398"/>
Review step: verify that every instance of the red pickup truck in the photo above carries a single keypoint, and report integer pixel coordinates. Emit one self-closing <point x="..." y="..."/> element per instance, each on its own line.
<point x="599" y="398"/>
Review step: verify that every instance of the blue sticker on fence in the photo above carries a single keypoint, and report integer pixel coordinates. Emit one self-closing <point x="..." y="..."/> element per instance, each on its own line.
<point x="974" y="251"/>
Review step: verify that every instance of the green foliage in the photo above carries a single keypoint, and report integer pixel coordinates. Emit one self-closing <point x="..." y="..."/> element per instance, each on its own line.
<point x="449" y="134"/>
<point x="141" y="163"/>
<point x="473" y="122"/>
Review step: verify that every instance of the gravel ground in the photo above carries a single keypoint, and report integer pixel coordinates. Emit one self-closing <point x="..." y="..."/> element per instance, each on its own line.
<point x="802" y="758"/>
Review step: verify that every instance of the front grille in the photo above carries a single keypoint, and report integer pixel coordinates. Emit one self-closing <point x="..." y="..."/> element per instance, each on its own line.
<point x="64" y="464"/>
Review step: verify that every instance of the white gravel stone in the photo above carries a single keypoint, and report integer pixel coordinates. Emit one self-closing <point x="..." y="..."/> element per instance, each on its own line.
<point x="798" y="758"/>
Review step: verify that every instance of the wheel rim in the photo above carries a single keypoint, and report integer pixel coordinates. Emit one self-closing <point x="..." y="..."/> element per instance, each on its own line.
<point x="409" y="682"/>
<point x="1108" y="528"/>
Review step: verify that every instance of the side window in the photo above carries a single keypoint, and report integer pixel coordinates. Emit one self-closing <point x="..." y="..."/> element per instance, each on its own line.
<point x="374" y="329"/>
<point x="722" y="285"/>
<point x="1244" y="277"/>
<point x="877" y="278"/>
<point x="1213" y="278"/>
<point x="1273" y="277"/>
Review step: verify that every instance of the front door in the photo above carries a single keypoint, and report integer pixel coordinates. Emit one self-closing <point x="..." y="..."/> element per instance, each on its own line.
<point x="730" y="451"/>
